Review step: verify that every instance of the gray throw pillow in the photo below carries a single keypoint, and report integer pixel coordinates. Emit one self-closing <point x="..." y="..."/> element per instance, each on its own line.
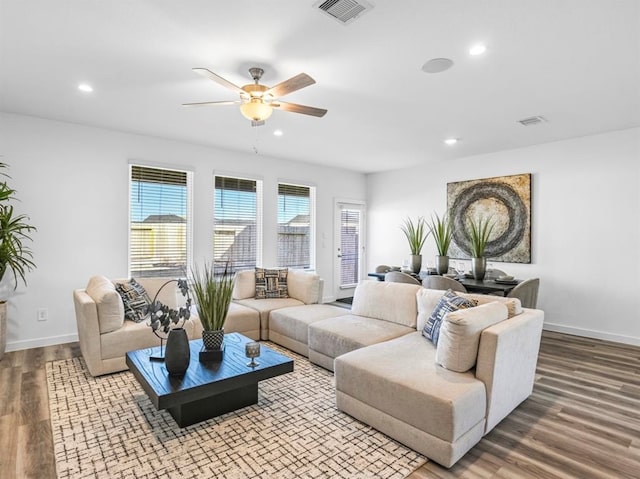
<point x="135" y="300"/>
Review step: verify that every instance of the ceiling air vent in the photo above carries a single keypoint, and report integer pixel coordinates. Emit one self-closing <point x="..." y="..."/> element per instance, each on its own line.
<point x="532" y="120"/>
<point x="344" y="11"/>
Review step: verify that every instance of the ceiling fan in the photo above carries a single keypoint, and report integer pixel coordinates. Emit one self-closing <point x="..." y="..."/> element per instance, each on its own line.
<point x="258" y="101"/>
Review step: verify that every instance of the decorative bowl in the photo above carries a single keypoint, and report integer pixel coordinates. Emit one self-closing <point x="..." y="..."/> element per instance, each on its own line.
<point x="505" y="277"/>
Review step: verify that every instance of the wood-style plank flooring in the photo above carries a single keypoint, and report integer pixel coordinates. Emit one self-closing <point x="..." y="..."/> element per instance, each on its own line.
<point x="582" y="421"/>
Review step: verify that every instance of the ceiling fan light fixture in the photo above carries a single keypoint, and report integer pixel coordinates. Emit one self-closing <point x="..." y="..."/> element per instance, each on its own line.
<point x="256" y="110"/>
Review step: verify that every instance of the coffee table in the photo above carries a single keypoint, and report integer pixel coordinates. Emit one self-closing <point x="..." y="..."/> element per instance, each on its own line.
<point x="207" y="389"/>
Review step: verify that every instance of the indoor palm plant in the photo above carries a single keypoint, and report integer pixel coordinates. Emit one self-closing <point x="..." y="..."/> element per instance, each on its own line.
<point x="15" y="255"/>
<point x="442" y="231"/>
<point x="479" y="230"/>
<point x="212" y="293"/>
<point x="416" y="234"/>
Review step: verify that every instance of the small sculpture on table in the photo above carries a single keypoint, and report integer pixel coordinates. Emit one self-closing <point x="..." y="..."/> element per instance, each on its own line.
<point x="252" y="350"/>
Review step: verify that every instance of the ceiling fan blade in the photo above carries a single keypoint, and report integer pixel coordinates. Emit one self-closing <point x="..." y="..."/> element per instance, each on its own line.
<point x="292" y="84"/>
<point x="218" y="79"/>
<point x="295" y="108"/>
<point x="212" y="103"/>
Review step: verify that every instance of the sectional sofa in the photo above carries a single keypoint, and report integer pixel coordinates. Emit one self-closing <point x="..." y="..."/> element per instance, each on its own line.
<point x="438" y="400"/>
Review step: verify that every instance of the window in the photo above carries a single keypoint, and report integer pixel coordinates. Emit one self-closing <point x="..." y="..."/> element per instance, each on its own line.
<point x="237" y="235"/>
<point x="296" y="226"/>
<point x="350" y="226"/>
<point x="160" y="222"/>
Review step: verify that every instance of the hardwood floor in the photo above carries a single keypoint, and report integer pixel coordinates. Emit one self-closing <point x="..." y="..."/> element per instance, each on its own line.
<point x="582" y="421"/>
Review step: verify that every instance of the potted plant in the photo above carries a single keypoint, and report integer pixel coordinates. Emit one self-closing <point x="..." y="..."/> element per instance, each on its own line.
<point x="416" y="236"/>
<point x="479" y="231"/>
<point x="15" y="256"/>
<point x="212" y="294"/>
<point x="442" y="231"/>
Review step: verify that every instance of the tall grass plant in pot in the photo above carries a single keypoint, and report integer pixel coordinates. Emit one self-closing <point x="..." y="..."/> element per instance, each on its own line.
<point x="212" y="293"/>
<point x="479" y="230"/>
<point x="416" y="234"/>
<point x="441" y="230"/>
<point x="15" y="256"/>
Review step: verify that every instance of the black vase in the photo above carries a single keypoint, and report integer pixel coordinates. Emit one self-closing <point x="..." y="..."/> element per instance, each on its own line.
<point x="177" y="353"/>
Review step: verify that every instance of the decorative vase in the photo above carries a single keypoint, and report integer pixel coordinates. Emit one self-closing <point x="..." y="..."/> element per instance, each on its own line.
<point x="416" y="263"/>
<point x="177" y="353"/>
<point x="212" y="340"/>
<point x="478" y="267"/>
<point x="442" y="264"/>
<point x="3" y="327"/>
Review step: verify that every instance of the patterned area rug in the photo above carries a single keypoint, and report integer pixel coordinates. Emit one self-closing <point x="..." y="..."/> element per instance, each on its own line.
<point x="107" y="427"/>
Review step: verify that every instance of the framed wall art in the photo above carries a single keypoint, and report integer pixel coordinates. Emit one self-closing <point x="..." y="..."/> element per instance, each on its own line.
<point x="505" y="199"/>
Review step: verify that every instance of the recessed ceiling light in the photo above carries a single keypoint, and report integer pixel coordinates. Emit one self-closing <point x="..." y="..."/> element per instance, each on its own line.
<point x="278" y="133"/>
<point x="478" y="49"/>
<point x="451" y="141"/>
<point x="437" y="65"/>
<point x="85" y="87"/>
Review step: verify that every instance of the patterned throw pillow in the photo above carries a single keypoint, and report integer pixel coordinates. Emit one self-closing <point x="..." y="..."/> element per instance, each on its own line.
<point x="135" y="300"/>
<point x="448" y="303"/>
<point x="271" y="283"/>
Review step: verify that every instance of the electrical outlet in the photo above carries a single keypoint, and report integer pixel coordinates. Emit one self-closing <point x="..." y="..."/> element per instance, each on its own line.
<point x="43" y="314"/>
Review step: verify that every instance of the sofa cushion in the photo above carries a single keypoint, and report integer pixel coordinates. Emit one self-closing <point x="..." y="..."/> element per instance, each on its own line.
<point x="427" y="300"/>
<point x="132" y="336"/>
<point x="460" y="334"/>
<point x="401" y="378"/>
<point x="168" y="294"/>
<point x="245" y="284"/>
<point x="293" y="322"/>
<point x="303" y="285"/>
<point x="135" y="300"/>
<point x="514" y="307"/>
<point x="271" y="283"/>
<point x="395" y="302"/>
<point x="449" y="302"/>
<point x="336" y="336"/>
<point x="108" y="303"/>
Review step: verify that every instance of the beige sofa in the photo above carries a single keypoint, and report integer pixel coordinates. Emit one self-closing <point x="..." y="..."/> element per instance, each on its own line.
<point x="400" y="386"/>
<point x="105" y="336"/>
<point x="302" y="305"/>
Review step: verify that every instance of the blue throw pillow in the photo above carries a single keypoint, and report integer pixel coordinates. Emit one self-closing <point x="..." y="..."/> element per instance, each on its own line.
<point x="448" y="303"/>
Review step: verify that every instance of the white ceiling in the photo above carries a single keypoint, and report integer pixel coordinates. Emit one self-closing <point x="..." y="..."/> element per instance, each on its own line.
<point x="576" y="62"/>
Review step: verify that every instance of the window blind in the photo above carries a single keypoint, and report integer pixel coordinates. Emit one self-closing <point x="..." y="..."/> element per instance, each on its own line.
<point x="159" y="219"/>
<point x="349" y="247"/>
<point x="295" y="226"/>
<point x="237" y="239"/>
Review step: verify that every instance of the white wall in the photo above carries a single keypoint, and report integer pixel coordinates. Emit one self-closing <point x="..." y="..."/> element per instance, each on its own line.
<point x="585" y="225"/>
<point x="73" y="183"/>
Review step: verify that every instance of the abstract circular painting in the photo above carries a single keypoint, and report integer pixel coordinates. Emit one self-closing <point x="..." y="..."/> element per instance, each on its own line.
<point x="506" y="201"/>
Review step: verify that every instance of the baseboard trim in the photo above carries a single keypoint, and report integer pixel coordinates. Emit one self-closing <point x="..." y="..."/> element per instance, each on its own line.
<point x="40" y="342"/>
<point x="591" y="333"/>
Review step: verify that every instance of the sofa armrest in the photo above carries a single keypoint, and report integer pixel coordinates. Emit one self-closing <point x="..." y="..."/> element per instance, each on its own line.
<point x="88" y="330"/>
<point x="507" y="359"/>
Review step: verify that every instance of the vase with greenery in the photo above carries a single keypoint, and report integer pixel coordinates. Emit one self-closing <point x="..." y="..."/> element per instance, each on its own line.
<point x="212" y="293"/>
<point x="479" y="230"/>
<point x="16" y="256"/>
<point x="416" y="234"/>
<point x="442" y="231"/>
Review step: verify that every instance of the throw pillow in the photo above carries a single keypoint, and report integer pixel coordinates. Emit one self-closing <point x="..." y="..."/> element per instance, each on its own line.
<point x="449" y="302"/>
<point x="135" y="300"/>
<point x="271" y="283"/>
<point x="108" y="303"/>
<point x="460" y="335"/>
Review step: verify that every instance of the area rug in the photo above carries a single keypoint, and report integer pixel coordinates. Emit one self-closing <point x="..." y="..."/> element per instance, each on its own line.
<point x="107" y="427"/>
